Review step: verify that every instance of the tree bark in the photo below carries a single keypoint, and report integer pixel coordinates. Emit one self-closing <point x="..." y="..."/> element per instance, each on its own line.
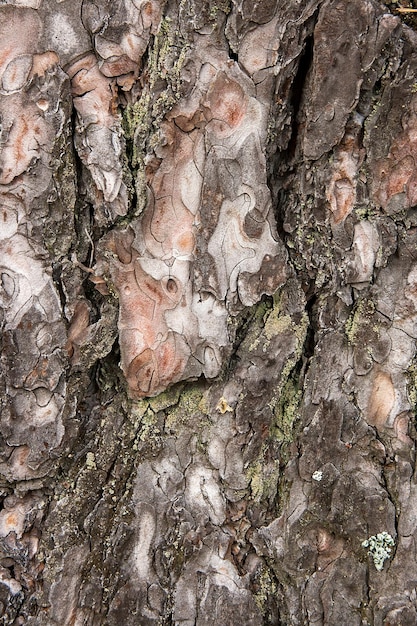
<point x="208" y="246"/>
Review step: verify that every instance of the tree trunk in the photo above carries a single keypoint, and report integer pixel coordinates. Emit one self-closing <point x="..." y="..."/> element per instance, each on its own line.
<point x="208" y="295"/>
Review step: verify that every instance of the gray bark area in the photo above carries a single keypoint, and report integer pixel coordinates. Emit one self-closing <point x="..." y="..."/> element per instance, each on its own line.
<point x="208" y="242"/>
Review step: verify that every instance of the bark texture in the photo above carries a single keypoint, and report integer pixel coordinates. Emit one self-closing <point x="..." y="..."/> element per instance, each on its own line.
<point x="208" y="261"/>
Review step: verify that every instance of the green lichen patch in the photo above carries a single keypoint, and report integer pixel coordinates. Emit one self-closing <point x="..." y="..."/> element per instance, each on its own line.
<point x="167" y="54"/>
<point x="191" y="408"/>
<point x="266" y="590"/>
<point x="379" y="548"/>
<point x="287" y="410"/>
<point x="262" y="476"/>
<point x="223" y="6"/>
<point x="276" y="324"/>
<point x="271" y="321"/>
<point x="367" y="212"/>
<point x="148" y="427"/>
<point x="141" y="120"/>
<point x="360" y="318"/>
<point x="205" y="12"/>
<point x="248" y="326"/>
<point x="135" y="123"/>
<point x="166" y="399"/>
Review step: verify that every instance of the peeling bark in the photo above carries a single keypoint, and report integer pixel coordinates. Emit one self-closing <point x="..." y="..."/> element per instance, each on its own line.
<point x="209" y="314"/>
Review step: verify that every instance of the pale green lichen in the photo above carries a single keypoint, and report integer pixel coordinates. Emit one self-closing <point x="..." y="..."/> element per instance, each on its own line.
<point x="276" y="324"/>
<point x="270" y="322"/>
<point x="266" y="588"/>
<point x="256" y="326"/>
<point x="287" y="397"/>
<point x="254" y="478"/>
<point x="366" y="212"/>
<point x="379" y="548"/>
<point x="166" y="399"/>
<point x="286" y="410"/>
<point x="145" y="422"/>
<point x="192" y="403"/>
<point x="364" y="309"/>
<point x="138" y="408"/>
<point x="141" y="120"/>
<point x="167" y="56"/>
<point x="135" y="122"/>
<point x="262" y="478"/>
<point x="148" y="426"/>
<point x="224" y="7"/>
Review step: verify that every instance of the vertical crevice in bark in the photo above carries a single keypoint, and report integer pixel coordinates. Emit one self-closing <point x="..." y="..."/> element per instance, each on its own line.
<point x="297" y="88"/>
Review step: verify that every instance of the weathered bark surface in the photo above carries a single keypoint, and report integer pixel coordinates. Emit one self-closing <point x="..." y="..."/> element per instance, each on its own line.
<point x="208" y="251"/>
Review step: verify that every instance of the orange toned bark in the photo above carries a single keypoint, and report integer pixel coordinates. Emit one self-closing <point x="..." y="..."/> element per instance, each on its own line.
<point x="170" y="328"/>
<point x="382" y="399"/>
<point x="28" y="135"/>
<point x="341" y="190"/>
<point x="395" y="174"/>
<point x="153" y="356"/>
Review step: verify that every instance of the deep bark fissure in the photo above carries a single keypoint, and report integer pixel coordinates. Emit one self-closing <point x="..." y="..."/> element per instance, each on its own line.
<point x="297" y="89"/>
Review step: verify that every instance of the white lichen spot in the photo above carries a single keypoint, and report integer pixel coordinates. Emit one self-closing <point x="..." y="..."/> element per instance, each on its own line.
<point x="91" y="461"/>
<point x="317" y="475"/>
<point x="379" y="548"/>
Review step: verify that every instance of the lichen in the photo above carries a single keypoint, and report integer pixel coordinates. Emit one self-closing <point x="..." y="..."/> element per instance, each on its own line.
<point x="412" y="386"/>
<point x="317" y="475"/>
<point x="223" y="6"/>
<point x="254" y="477"/>
<point x="166" y="399"/>
<point x="266" y="588"/>
<point x="137" y="410"/>
<point x="286" y="410"/>
<point x="270" y="322"/>
<point x="167" y="56"/>
<point x="223" y="406"/>
<point x="276" y="324"/>
<point x="90" y="461"/>
<point x="366" y="212"/>
<point x="135" y="121"/>
<point x="141" y="119"/>
<point x="148" y="426"/>
<point x="254" y="324"/>
<point x="262" y="476"/>
<point x="364" y="309"/>
<point x="191" y="404"/>
<point x="380" y="546"/>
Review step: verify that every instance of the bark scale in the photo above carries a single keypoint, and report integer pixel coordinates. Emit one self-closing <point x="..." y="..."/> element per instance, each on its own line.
<point x="209" y="313"/>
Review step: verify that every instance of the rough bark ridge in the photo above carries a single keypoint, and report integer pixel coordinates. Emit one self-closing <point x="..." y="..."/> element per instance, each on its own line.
<point x="219" y="196"/>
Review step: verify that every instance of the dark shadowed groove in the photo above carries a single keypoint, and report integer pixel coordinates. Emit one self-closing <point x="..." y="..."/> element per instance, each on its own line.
<point x="303" y="69"/>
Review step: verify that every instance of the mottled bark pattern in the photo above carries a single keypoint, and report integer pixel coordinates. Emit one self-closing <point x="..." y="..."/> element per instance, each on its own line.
<point x="208" y="243"/>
